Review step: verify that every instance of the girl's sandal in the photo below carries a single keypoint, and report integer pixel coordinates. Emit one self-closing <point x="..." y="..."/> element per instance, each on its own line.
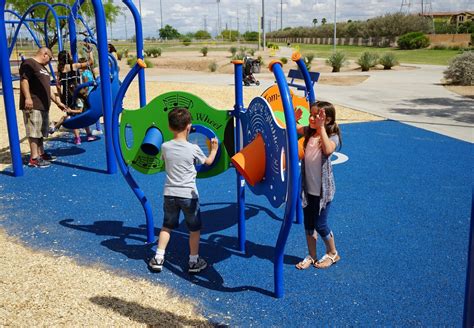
<point x="326" y="261"/>
<point x="306" y="263"/>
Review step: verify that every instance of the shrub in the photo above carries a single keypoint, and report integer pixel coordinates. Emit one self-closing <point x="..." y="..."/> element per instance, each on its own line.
<point x="388" y="60"/>
<point x="213" y="66"/>
<point x="336" y="61"/>
<point x="153" y="52"/>
<point x="307" y="60"/>
<point x="284" y="60"/>
<point x="252" y="52"/>
<point x="233" y="51"/>
<point x="367" y="60"/>
<point x="413" y="40"/>
<point x="204" y="51"/>
<point x="186" y="41"/>
<point x="461" y="69"/>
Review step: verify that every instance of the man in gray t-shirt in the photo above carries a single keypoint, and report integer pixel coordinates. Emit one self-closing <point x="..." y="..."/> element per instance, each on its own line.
<point x="180" y="192"/>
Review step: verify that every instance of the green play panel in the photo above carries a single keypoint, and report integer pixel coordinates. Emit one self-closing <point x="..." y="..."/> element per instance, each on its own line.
<point x="135" y="123"/>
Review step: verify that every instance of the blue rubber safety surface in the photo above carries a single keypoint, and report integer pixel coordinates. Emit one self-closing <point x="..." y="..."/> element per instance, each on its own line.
<point x="400" y="217"/>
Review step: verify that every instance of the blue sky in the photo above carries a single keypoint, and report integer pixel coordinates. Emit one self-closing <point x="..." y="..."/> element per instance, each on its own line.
<point x="193" y="15"/>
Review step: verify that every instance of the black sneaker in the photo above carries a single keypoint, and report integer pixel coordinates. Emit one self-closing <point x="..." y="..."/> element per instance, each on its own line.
<point x="48" y="157"/>
<point x="38" y="162"/>
<point x="156" y="265"/>
<point x="196" y="267"/>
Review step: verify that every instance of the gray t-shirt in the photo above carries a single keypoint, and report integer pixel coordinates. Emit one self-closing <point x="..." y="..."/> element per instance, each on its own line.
<point x="180" y="158"/>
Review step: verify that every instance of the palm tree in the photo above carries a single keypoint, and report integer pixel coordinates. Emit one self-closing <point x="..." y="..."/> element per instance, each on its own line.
<point x="315" y="21"/>
<point x="324" y="20"/>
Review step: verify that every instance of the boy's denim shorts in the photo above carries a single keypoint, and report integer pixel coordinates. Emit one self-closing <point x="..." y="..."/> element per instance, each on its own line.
<point x="172" y="206"/>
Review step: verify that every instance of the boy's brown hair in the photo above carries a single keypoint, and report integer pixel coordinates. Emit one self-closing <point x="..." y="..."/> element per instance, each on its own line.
<point x="179" y="118"/>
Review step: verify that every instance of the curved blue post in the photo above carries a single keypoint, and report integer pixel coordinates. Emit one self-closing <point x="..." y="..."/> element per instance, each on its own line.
<point x="139" y="42"/>
<point x="293" y="173"/>
<point x="102" y="49"/>
<point x="8" y="98"/>
<point x="60" y="36"/>
<point x="28" y="11"/>
<point x="12" y="45"/>
<point x="239" y="107"/>
<point x="56" y="19"/>
<point x="299" y="205"/>
<point x="118" y="153"/>
<point x="307" y="79"/>
<point x="71" y="23"/>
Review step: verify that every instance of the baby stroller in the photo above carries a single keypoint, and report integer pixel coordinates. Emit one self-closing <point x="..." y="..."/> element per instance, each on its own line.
<point x="250" y="66"/>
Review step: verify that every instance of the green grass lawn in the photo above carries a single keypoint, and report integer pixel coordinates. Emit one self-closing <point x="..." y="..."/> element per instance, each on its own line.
<point x="419" y="56"/>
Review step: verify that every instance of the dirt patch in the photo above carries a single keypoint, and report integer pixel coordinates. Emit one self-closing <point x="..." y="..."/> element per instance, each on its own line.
<point x="43" y="290"/>
<point x="462" y="90"/>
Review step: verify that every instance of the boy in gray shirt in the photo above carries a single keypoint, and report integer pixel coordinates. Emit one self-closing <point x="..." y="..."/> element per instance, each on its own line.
<point x="180" y="192"/>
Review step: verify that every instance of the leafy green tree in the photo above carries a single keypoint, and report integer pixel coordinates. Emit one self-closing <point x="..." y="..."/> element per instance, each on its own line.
<point x="250" y="36"/>
<point x="169" y="32"/>
<point x="315" y="21"/>
<point x="112" y="11"/>
<point x="202" y="35"/>
<point x="230" y="35"/>
<point x="324" y="21"/>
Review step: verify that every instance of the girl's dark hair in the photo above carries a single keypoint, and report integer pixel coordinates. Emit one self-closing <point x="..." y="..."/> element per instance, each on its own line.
<point x="111" y="48"/>
<point x="332" y="127"/>
<point x="63" y="60"/>
<point x="179" y="118"/>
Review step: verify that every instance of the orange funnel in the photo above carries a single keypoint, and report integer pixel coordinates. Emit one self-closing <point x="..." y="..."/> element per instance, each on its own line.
<point x="250" y="161"/>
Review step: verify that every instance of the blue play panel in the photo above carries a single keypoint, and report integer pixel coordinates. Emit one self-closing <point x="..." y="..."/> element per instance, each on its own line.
<point x="401" y="219"/>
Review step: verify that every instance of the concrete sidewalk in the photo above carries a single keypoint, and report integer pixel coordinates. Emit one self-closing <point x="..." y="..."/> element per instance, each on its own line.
<point x="414" y="96"/>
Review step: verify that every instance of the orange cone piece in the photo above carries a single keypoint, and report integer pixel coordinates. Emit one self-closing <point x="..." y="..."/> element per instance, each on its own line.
<point x="250" y="161"/>
<point x="300" y="148"/>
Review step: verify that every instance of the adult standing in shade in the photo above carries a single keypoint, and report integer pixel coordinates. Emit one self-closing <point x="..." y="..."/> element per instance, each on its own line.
<point x="35" y="101"/>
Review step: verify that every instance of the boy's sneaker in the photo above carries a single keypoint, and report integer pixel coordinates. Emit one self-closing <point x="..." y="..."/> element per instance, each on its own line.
<point x="77" y="141"/>
<point x="52" y="128"/>
<point x="91" y="138"/>
<point x="38" y="162"/>
<point x="155" y="264"/>
<point x="48" y="157"/>
<point x="196" y="267"/>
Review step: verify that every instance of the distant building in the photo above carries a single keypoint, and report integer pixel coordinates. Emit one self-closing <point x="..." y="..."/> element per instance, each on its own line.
<point x="452" y="18"/>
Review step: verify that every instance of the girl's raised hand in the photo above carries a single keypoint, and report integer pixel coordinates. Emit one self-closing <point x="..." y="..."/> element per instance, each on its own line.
<point x="320" y="118"/>
<point x="298" y="114"/>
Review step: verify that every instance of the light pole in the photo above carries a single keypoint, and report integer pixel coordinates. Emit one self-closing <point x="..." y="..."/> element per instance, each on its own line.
<point x="125" y="16"/>
<point x="335" y="17"/>
<point x="263" y="23"/>
<point x="161" y="15"/>
<point x="218" y="18"/>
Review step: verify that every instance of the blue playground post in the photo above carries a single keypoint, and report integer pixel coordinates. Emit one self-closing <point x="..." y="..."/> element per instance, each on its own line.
<point x="311" y="99"/>
<point x="293" y="175"/>
<point x="296" y="57"/>
<point x="239" y="107"/>
<point x="8" y="98"/>
<point x="118" y="106"/>
<point x="139" y="42"/>
<point x="102" y="49"/>
<point x="71" y="23"/>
